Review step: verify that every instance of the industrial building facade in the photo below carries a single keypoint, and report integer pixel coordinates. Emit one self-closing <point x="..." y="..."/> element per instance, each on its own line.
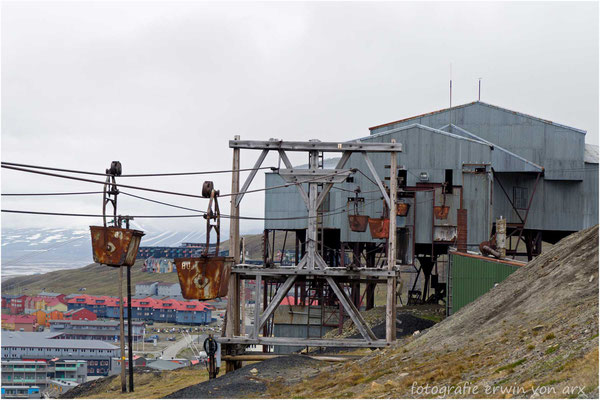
<point x="459" y="171"/>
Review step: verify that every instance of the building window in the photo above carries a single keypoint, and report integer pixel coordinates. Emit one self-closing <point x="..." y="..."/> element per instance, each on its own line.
<point x="520" y="197"/>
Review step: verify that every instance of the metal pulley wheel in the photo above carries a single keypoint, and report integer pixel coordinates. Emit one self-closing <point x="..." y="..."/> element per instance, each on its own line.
<point x="207" y="188"/>
<point x="115" y="168"/>
<point x="210" y="346"/>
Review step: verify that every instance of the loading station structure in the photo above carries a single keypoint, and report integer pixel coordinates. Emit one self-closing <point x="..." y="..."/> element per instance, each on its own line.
<point x="311" y="268"/>
<point x="461" y="169"/>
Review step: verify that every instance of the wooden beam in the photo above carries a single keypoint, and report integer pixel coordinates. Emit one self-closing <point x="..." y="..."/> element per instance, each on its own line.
<point x="281" y="293"/>
<point x="338" y="147"/>
<point x="262" y="357"/>
<point x="330" y="271"/>
<point x="352" y="311"/>
<point x="288" y="164"/>
<point x="257" y="294"/>
<point x="250" y="177"/>
<point x="341" y="163"/>
<point x="390" y="308"/>
<point x="304" y="342"/>
<point x="232" y="325"/>
<point x="376" y="177"/>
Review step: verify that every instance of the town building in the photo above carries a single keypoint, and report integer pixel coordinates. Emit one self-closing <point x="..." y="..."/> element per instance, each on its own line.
<point x="94" y="330"/>
<point x="80" y="314"/>
<point x="22" y="323"/>
<point x="164" y="289"/>
<point x="146" y="288"/>
<point x="24" y="373"/>
<point x="43" y="346"/>
<point x="20" y="392"/>
<point x="68" y="370"/>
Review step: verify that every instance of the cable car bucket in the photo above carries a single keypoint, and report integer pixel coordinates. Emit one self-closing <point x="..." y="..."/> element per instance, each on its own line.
<point x="206" y="277"/>
<point x="357" y="222"/>
<point x="112" y="245"/>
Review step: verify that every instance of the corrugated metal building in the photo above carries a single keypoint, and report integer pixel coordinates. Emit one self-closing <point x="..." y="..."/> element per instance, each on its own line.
<point x="492" y="162"/>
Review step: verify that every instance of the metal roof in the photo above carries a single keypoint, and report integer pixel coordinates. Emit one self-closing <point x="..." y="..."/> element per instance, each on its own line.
<point x="165" y="365"/>
<point x="40" y="339"/>
<point x="484" y="104"/>
<point x="427" y="128"/>
<point x="591" y="154"/>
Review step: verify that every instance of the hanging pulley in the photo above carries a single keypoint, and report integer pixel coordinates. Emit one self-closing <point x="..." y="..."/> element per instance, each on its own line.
<point x="113" y="245"/>
<point x="206" y="277"/>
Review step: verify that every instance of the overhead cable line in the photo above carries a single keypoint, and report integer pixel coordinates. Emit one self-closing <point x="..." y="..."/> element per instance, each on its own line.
<point x="133" y="175"/>
<point x="49" y="194"/>
<point x="165" y="191"/>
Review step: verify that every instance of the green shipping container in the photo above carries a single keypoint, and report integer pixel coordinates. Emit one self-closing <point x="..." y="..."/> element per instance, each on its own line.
<point x="470" y="276"/>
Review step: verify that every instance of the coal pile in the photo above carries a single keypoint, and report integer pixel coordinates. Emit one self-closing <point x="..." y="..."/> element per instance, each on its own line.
<point x="251" y="380"/>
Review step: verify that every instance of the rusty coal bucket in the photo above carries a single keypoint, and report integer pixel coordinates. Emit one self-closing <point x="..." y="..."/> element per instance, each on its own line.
<point x="114" y="246"/>
<point x="204" y="278"/>
<point x="441" y="212"/>
<point x="358" y="223"/>
<point x="380" y="228"/>
<point x="402" y="209"/>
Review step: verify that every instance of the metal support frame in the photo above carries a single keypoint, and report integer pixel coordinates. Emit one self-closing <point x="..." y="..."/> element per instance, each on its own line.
<point x="312" y="266"/>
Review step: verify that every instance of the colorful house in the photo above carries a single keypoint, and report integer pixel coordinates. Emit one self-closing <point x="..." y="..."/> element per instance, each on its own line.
<point x="52" y="295"/>
<point x="54" y="304"/>
<point x="33" y="304"/>
<point x="81" y="314"/>
<point x="23" y="323"/>
<point x="193" y="313"/>
<point x="15" y="303"/>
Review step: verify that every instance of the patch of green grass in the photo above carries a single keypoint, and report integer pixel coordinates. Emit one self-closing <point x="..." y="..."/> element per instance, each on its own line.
<point x="432" y="317"/>
<point x="550" y="382"/>
<point x="552" y="349"/>
<point x="530" y="347"/>
<point x="595" y="336"/>
<point x="511" y="365"/>
<point x="549" y="336"/>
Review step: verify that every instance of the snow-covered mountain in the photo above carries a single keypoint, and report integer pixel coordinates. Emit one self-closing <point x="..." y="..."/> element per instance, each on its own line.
<point x="27" y="251"/>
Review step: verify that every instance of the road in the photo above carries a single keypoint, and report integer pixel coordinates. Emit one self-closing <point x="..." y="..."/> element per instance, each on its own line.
<point x="172" y="350"/>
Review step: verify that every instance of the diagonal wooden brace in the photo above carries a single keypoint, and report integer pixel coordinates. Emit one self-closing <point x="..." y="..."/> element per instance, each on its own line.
<point x="261" y="158"/>
<point x="281" y="293"/>
<point x="376" y="177"/>
<point x="288" y="164"/>
<point x="352" y="311"/>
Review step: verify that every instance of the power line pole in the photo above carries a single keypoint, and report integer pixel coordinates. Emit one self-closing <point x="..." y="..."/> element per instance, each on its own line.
<point x="122" y="332"/>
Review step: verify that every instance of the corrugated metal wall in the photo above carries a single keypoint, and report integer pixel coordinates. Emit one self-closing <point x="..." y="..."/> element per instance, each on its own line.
<point x="470" y="277"/>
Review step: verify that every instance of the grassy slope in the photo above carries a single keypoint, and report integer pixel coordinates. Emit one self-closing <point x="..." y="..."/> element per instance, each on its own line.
<point x="97" y="279"/>
<point x="537" y="328"/>
<point x="148" y="385"/>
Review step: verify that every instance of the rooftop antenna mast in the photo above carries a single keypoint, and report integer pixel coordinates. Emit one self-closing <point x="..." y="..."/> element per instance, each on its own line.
<point x="479" y="96"/>
<point x="450" y="110"/>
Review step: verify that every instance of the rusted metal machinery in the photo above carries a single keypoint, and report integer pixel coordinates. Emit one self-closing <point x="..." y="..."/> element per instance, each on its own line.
<point x="117" y="247"/>
<point x="311" y="269"/>
<point x="206" y="277"/>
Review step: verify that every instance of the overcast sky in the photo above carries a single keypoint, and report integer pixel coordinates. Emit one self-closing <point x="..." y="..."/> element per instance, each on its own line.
<point x="162" y="87"/>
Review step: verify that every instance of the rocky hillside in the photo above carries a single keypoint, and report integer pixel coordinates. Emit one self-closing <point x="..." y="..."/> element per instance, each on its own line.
<point x="534" y="335"/>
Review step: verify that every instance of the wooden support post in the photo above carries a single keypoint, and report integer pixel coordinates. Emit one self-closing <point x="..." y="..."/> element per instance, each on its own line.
<point x="129" y="328"/>
<point x="232" y="324"/>
<point x="257" y="309"/>
<point x="122" y="332"/>
<point x="312" y="215"/>
<point x="233" y="306"/>
<point x="390" y="314"/>
<point x="243" y="292"/>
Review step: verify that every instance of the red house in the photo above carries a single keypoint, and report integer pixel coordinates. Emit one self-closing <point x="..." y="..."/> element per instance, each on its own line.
<point x="80" y="315"/>
<point x="16" y="305"/>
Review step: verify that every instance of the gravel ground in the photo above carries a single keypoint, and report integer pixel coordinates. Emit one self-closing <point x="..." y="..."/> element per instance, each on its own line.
<point x="243" y="383"/>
